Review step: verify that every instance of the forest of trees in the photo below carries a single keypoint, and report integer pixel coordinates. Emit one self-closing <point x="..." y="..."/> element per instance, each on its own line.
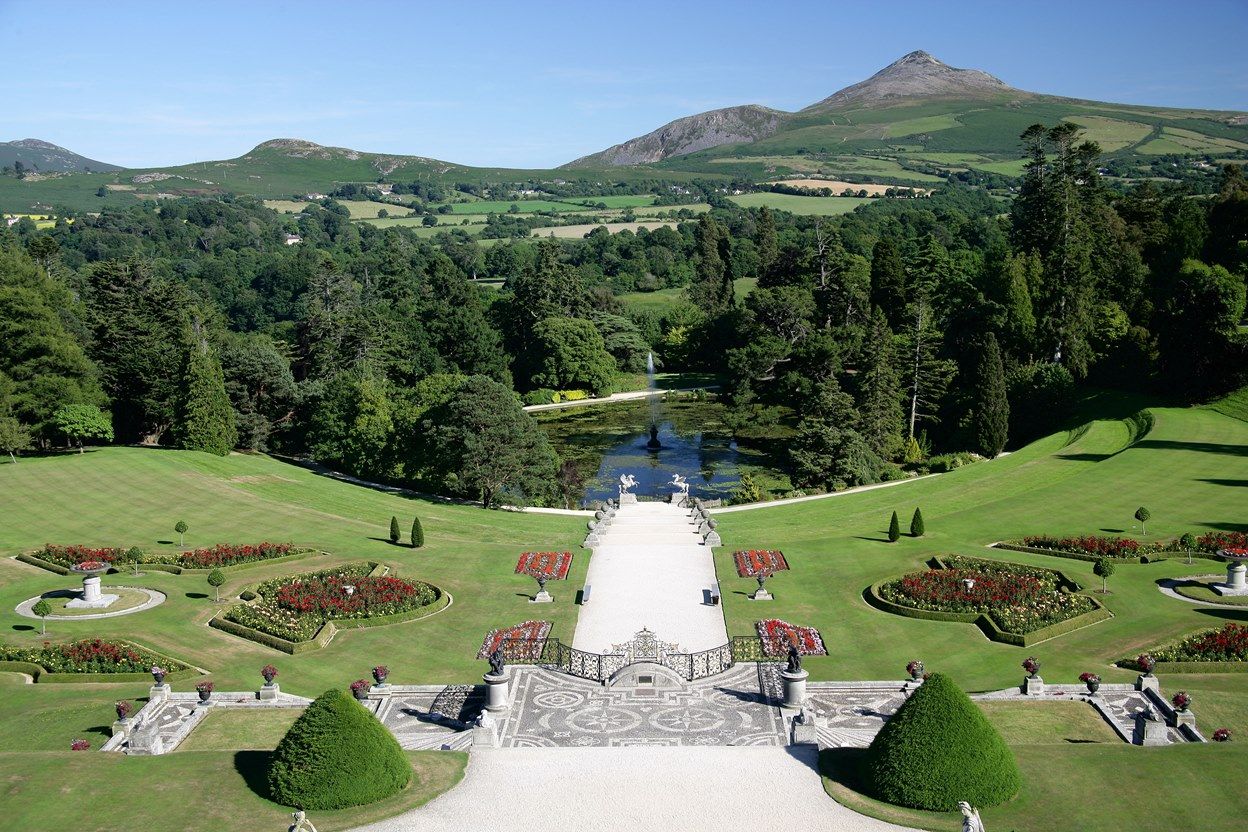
<point x="959" y="322"/>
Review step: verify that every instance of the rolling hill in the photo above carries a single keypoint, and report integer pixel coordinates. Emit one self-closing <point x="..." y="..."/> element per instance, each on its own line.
<point x="45" y="157"/>
<point x="917" y="120"/>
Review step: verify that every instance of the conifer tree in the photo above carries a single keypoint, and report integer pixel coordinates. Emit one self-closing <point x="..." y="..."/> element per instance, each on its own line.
<point x="418" y="533"/>
<point x="894" y="529"/>
<point x="917" y="528"/>
<point x="765" y="240"/>
<point x="888" y="281"/>
<point x="206" y="417"/>
<point x="394" y="529"/>
<point x="879" y="392"/>
<point x="991" y="417"/>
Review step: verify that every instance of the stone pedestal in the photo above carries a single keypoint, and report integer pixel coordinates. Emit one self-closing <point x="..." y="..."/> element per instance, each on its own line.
<point x="121" y="727"/>
<point x="146" y="741"/>
<point x="496" y="691"/>
<point x="542" y="597"/>
<point x="1147" y="682"/>
<point x="712" y="539"/>
<point x="804" y="728"/>
<point x="1236" y="580"/>
<point x="760" y="594"/>
<point x="159" y="693"/>
<point x="1187" y="718"/>
<point x="1150" y="730"/>
<point x="268" y="691"/>
<point x="628" y="499"/>
<point x="794" y="688"/>
<point x="91" y="598"/>
<point x="591" y="541"/>
<point x="485" y="731"/>
<point x="1033" y="686"/>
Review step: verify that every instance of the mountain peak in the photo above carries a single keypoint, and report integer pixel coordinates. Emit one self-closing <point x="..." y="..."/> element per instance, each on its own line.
<point x="918" y="74"/>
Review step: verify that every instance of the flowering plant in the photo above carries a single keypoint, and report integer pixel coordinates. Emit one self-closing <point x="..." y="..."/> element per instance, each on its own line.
<point x="777" y="636"/>
<point x="1222" y="735"/>
<point x="1235" y="553"/>
<point x="1089" y="678"/>
<point x="90" y="655"/>
<point x="123" y="708"/>
<point x="1032" y="665"/>
<point x="80" y="745"/>
<point x="552" y="566"/>
<point x="523" y="642"/>
<point x="751" y="563"/>
<point x="1181" y="700"/>
<point x="1107" y="547"/>
<point x="1228" y="644"/>
<point x="91" y="565"/>
<point x="380" y="672"/>
<point x="1146" y="663"/>
<point x="358" y="688"/>
<point x="223" y="554"/>
<point x="269" y="672"/>
<point x="915" y="669"/>
<point x="205" y="687"/>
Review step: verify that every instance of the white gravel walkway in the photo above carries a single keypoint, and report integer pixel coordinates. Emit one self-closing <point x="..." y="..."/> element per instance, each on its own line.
<point x="683" y="789"/>
<point x="650" y="570"/>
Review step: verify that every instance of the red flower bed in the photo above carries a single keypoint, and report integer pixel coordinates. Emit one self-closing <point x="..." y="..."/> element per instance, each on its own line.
<point x="1107" y="547"/>
<point x="1215" y="541"/>
<point x="1229" y="644"/>
<point x="754" y="562"/>
<point x="227" y="554"/>
<point x="71" y="555"/>
<point x="553" y="566"/>
<point x="90" y="565"/>
<point x="1235" y="552"/>
<point x="949" y="587"/>
<point x="328" y="597"/>
<point x="778" y="635"/>
<point x="223" y="554"/>
<point x="523" y="642"/>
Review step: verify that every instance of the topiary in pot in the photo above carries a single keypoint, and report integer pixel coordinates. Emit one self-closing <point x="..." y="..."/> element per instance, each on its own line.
<point x="938" y="749"/>
<point x="336" y="755"/>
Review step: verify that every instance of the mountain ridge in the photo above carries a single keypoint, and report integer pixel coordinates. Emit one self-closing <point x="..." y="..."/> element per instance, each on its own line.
<point x="46" y="157"/>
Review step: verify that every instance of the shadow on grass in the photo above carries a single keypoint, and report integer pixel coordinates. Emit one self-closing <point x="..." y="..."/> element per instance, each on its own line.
<point x="1227" y="527"/>
<point x="1229" y="613"/>
<point x="105" y="731"/>
<point x="1203" y="447"/>
<point x="883" y="539"/>
<point x="165" y="542"/>
<point x="1231" y="483"/>
<point x="197" y="596"/>
<point x="23" y="628"/>
<point x="253" y="767"/>
<point x="1113" y="531"/>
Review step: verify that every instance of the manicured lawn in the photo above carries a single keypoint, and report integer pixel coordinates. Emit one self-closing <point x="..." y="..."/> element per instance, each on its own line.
<point x="1048" y="723"/>
<point x="231" y="730"/>
<point x="201" y="790"/>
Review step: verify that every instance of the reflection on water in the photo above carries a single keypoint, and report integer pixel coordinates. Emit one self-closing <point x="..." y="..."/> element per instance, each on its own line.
<point x="710" y="463"/>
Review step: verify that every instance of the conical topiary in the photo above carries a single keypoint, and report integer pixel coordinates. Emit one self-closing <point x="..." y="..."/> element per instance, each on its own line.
<point x="394" y="530"/>
<point x="337" y="755"/>
<point x="939" y="748"/>
<point x="894" y="529"/>
<point x="916" y="524"/>
<point x="418" y="533"/>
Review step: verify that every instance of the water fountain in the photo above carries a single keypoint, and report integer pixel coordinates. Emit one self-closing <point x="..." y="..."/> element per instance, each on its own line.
<point x="653" y="444"/>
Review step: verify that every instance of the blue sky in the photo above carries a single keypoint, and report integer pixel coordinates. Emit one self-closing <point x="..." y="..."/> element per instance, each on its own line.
<point x="538" y="83"/>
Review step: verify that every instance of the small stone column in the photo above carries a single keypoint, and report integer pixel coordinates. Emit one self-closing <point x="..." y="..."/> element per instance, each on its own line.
<point x="1187" y="718"/>
<point x="485" y="731"/>
<point x="1236" y="578"/>
<point x="269" y="690"/>
<point x="1149" y="730"/>
<point x="712" y="539"/>
<point x="794" y="688"/>
<point x="91" y="589"/>
<point x="496" y="691"/>
<point x="159" y="693"/>
<point x="121" y="727"/>
<point x="1147" y="681"/>
<point x="1033" y="686"/>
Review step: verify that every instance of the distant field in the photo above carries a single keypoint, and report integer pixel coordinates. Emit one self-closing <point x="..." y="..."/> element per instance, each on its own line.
<point x="501" y="206"/>
<point x="445" y="221"/>
<point x="577" y="231"/>
<point x="663" y="298"/>
<point x="621" y="201"/>
<point x="809" y="206"/>
<point x="1111" y="134"/>
<point x="360" y="209"/>
<point x="835" y="184"/>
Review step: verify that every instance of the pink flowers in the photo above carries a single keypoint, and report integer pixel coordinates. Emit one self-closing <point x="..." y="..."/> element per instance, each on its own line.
<point x="1229" y="644"/>
<point x="915" y="669"/>
<point x="522" y="642"/>
<point x="1109" y="547"/>
<point x="777" y="636"/>
<point x="90" y="566"/>
<point x="754" y="562"/>
<point x="359" y="688"/>
<point x="228" y="554"/>
<point x="1089" y="677"/>
<point x="123" y="708"/>
<point x="1145" y="663"/>
<point x="80" y="745"/>
<point x="1181" y="700"/>
<point x="269" y="672"/>
<point x="553" y="566"/>
<point x="380" y="673"/>
<point x="1032" y="665"/>
<point x="328" y="596"/>
<point x="1222" y="735"/>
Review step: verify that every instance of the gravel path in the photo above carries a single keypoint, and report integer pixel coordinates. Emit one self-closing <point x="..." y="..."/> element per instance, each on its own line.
<point x="154" y="599"/>
<point x="630" y="395"/>
<point x="650" y="570"/>
<point x="683" y="789"/>
<point x="1166" y="587"/>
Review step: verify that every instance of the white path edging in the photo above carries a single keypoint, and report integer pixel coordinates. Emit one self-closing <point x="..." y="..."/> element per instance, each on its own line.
<point x="154" y="599"/>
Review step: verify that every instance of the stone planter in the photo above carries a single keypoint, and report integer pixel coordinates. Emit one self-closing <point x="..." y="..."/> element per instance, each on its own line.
<point x="1093" y="687"/>
<point x="204" y="696"/>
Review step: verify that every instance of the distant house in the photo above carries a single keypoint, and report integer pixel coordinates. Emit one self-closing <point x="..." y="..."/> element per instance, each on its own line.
<point x="11" y="220"/>
<point x="314" y="196"/>
<point x="291" y="239"/>
<point x="385" y="187"/>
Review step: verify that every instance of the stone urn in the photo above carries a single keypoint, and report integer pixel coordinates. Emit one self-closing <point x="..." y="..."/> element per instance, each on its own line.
<point x="1236" y="571"/>
<point x="204" y="689"/>
<point x="359" y="689"/>
<point x="915" y="669"/>
<point x="1092" y="681"/>
<point x="158" y="676"/>
<point x="380" y="674"/>
<point x="269" y="672"/>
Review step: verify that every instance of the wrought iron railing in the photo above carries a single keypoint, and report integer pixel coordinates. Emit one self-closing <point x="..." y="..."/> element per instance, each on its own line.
<point x="553" y="654"/>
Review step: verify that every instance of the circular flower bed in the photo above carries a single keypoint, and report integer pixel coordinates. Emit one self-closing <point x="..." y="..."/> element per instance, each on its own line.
<point x="1019" y="599"/>
<point x="294" y="608"/>
<point x="553" y="566"/>
<point x="754" y="562"/>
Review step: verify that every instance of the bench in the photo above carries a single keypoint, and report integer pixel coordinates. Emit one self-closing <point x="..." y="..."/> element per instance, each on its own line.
<point x="585" y="595"/>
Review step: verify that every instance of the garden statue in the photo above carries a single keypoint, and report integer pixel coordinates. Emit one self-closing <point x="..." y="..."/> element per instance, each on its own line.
<point x="301" y="824"/>
<point x="970" y="818"/>
<point x="653" y="442"/>
<point x="795" y="659"/>
<point x="681" y="483"/>
<point x="497" y="663"/>
<point x="627" y="481"/>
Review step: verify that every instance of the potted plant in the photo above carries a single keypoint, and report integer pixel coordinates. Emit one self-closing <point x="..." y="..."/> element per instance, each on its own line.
<point x="1091" y="680"/>
<point x="380" y="672"/>
<point x="915" y="669"/>
<point x="204" y="689"/>
<point x="1222" y="735"/>
<point x="158" y="675"/>
<point x="1146" y="663"/>
<point x="1181" y="701"/>
<point x="1032" y="665"/>
<point x="123" y="708"/>
<point x="359" y="689"/>
<point x="80" y="745"/>
<point x="269" y="672"/>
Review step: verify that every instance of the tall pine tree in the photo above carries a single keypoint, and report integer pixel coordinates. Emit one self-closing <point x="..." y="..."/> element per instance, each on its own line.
<point x="991" y="416"/>
<point x="888" y="281"/>
<point x="205" y="416"/>
<point x="879" y="390"/>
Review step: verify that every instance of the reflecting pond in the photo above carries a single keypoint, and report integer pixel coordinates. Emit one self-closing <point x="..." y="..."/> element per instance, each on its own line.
<point x="607" y="441"/>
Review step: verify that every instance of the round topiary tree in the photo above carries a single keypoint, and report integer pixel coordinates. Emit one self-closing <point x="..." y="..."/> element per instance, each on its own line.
<point x="336" y="755"/>
<point x="1143" y="515"/>
<point x="42" y="609"/>
<point x="181" y="528"/>
<point x="216" y="579"/>
<point x="1103" y="569"/>
<point x="939" y="748"/>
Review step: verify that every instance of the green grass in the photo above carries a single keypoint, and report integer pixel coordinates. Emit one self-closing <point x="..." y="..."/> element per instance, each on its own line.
<point x="232" y="730"/>
<point x="126" y="599"/>
<point x="1199" y="590"/>
<point x="660" y="299"/>
<point x="1048" y="723"/>
<point x="818" y="206"/>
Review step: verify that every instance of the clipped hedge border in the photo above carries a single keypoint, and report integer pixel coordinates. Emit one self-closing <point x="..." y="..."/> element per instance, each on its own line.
<point x="330" y="628"/>
<point x="1153" y="557"/>
<point x="172" y="568"/>
<point x="1188" y="667"/>
<point x="42" y="674"/>
<point x="984" y="621"/>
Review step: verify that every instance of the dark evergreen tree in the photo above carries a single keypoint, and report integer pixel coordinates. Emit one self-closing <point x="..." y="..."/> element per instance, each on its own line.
<point x="888" y="281"/>
<point x="418" y="533"/>
<point x="394" y="530"/>
<point x="827" y="451"/>
<point x="879" y="390"/>
<point x="991" y="410"/>
<point x="766" y="242"/>
<point x="894" y="529"/>
<point x="917" y="529"/>
<point x="205" y="416"/>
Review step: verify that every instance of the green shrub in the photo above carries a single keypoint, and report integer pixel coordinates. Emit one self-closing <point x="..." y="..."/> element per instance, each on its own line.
<point x="394" y="530"/>
<point x="542" y="395"/>
<point x="916" y="524"/>
<point x="336" y="755"/>
<point x="216" y="579"/>
<point x="418" y="533"/>
<point x="894" y="529"/>
<point x="939" y="748"/>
